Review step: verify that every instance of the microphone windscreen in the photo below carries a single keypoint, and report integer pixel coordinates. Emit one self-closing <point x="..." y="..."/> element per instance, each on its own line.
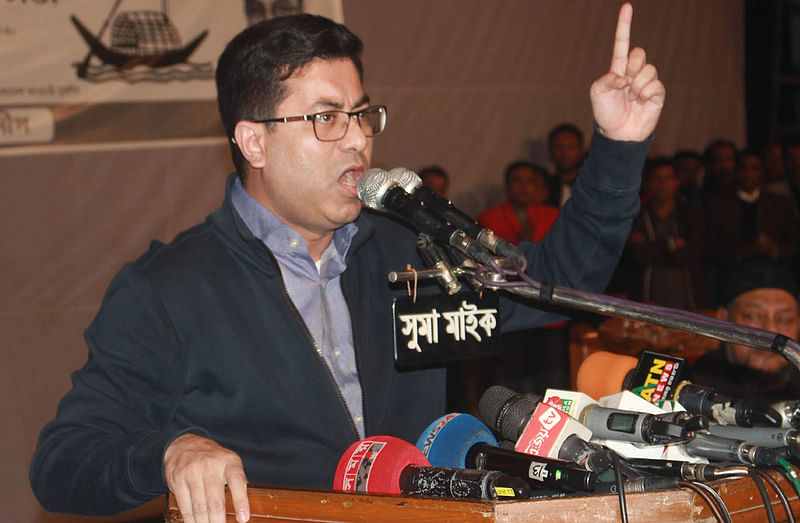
<point x="406" y="178"/>
<point x="372" y="185"/>
<point x="373" y="465"/>
<point x="505" y="411"/>
<point x="603" y="373"/>
<point x="447" y="440"/>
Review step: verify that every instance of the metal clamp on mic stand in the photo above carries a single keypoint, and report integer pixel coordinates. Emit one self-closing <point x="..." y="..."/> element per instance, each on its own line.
<point x="434" y="257"/>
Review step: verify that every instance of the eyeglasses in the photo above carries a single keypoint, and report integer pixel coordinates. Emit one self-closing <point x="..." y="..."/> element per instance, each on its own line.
<point x="331" y="126"/>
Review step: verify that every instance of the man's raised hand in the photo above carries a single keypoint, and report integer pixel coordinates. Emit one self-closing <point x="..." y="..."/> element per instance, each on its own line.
<point x="627" y="101"/>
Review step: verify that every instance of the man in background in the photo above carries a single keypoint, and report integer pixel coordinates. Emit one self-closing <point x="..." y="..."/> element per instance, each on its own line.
<point x="720" y="178"/>
<point x="522" y="216"/>
<point x="436" y="179"/>
<point x="565" y="145"/>
<point x="749" y="222"/>
<point x="760" y="294"/>
<point x="667" y="243"/>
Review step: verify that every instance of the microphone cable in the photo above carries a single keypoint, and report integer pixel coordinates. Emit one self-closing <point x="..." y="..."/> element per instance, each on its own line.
<point x="711" y="497"/>
<point x="790" y="474"/>
<point x="751" y="472"/>
<point x="623" y="506"/>
<point x="779" y="491"/>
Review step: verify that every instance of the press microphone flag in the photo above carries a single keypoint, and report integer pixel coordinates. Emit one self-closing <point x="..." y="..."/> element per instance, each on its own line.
<point x="389" y="465"/>
<point x="659" y="375"/>
<point x="461" y="440"/>
<point x="539" y="429"/>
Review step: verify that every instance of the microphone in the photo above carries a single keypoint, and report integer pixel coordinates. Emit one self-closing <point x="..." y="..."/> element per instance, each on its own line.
<point x="688" y="420"/>
<point x="389" y="465"/>
<point x="378" y="190"/>
<point x="737" y="451"/>
<point x="635" y="427"/>
<point x="444" y="209"/>
<point x="724" y="409"/>
<point x="540" y="429"/>
<point x="653" y="376"/>
<point x="684" y="470"/>
<point x="640" y="484"/>
<point x="789" y="412"/>
<point x="654" y="370"/>
<point x="461" y="440"/>
<point x="603" y="373"/>
<point x="764" y="436"/>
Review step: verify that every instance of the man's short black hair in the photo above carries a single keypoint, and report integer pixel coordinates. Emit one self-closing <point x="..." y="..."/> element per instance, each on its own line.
<point x="714" y="145"/>
<point x="252" y="68"/>
<point x="655" y="163"/>
<point x="433" y="169"/>
<point x="565" y="128"/>
<point x="686" y="153"/>
<point x="513" y="166"/>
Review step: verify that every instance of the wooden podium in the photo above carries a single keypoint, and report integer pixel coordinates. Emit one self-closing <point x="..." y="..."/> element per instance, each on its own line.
<point x="680" y="505"/>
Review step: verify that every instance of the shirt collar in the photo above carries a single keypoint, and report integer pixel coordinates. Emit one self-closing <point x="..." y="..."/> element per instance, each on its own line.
<point x="281" y="239"/>
<point x="749" y="197"/>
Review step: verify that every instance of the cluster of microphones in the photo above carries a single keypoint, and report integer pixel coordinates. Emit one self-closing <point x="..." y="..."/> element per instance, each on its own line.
<point x="400" y="192"/>
<point x="631" y="425"/>
<point x="638" y="420"/>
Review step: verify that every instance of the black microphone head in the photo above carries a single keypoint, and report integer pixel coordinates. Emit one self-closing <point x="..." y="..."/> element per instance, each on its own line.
<point x="505" y="411"/>
<point x="749" y="413"/>
<point x="372" y="185"/>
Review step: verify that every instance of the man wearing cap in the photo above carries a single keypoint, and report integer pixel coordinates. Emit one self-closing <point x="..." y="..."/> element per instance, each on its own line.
<point x="760" y="294"/>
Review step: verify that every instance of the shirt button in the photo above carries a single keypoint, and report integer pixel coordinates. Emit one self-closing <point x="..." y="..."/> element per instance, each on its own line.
<point x="357" y="419"/>
<point x="337" y="352"/>
<point x="294" y="242"/>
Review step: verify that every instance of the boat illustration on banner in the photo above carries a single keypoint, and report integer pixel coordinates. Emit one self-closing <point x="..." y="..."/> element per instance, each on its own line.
<point x="139" y="38"/>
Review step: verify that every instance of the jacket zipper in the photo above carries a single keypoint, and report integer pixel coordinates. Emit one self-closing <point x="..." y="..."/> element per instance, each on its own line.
<point x="318" y="350"/>
<point x="355" y="353"/>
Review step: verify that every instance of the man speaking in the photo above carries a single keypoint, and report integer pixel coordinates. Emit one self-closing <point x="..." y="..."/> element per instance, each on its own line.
<point x="257" y="346"/>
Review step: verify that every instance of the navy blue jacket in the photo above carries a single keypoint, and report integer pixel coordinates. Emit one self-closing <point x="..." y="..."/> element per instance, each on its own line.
<point x="199" y="335"/>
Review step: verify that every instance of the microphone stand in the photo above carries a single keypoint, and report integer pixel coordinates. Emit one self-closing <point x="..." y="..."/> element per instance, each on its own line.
<point x="494" y="278"/>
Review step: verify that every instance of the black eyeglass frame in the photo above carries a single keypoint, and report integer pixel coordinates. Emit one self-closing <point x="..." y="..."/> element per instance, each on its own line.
<point x="313" y="117"/>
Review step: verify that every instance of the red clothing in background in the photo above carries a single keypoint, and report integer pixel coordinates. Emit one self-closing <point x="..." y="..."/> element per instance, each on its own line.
<point x="502" y="220"/>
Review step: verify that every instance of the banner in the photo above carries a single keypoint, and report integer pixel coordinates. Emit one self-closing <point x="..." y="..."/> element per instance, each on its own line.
<point x="80" y="72"/>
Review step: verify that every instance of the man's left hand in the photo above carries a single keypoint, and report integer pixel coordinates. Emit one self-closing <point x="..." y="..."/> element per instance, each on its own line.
<point x="627" y="101"/>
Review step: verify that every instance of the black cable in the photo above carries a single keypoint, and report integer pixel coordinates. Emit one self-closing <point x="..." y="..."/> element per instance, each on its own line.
<point x="764" y="495"/>
<point x="779" y="491"/>
<point x="630" y="471"/>
<point x="712" y="504"/>
<point x="623" y="507"/>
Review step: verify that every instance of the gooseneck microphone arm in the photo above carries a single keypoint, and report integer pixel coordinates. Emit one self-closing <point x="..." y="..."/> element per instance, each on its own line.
<point x="658" y="315"/>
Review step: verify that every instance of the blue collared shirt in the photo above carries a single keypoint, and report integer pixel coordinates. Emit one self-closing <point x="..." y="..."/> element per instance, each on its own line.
<point x="315" y="291"/>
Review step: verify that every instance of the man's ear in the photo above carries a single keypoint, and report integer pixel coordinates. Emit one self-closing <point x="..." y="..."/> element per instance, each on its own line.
<point x="250" y="138"/>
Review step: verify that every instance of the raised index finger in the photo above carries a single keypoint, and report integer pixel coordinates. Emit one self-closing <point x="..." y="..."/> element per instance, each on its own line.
<point x="622" y="40"/>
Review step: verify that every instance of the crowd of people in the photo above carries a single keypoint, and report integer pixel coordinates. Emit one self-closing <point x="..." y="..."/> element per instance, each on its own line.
<point x="701" y="215"/>
<point x="708" y="221"/>
<point x="704" y="215"/>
